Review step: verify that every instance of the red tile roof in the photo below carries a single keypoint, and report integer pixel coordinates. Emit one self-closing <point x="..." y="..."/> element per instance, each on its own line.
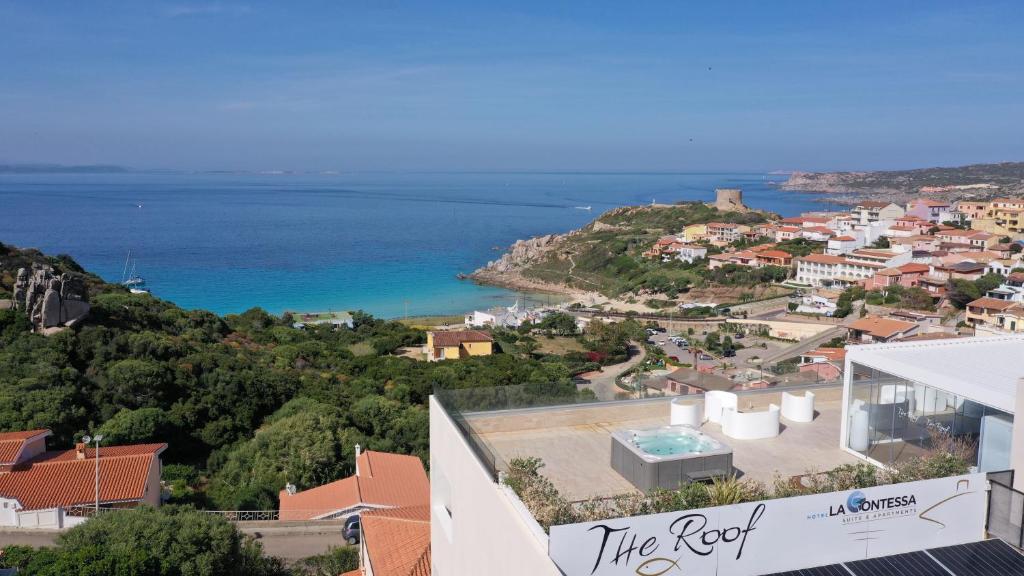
<point x="55" y="479"/>
<point x="775" y="254"/>
<point x="833" y="354"/>
<point x="12" y="442"/>
<point x="457" y="337"/>
<point x="914" y="268"/>
<point x="990" y="303"/>
<point x="881" y="327"/>
<point x="398" y="541"/>
<point x="845" y="238"/>
<point x="383" y="480"/>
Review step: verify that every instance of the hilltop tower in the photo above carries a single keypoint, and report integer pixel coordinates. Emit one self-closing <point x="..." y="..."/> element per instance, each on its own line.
<point x="729" y="199"/>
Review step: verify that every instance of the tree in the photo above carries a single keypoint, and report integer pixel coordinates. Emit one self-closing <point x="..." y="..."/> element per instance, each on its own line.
<point x="331" y="563"/>
<point x="307" y="449"/>
<point x="881" y="242"/>
<point x="961" y="292"/>
<point x="988" y="282"/>
<point x="137" y="426"/>
<point x="169" y="541"/>
<point x="560" y="323"/>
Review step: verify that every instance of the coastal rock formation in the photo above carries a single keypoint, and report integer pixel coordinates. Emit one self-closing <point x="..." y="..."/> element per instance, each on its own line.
<point x="521" y="252"/>
<point x="50" y="301"/>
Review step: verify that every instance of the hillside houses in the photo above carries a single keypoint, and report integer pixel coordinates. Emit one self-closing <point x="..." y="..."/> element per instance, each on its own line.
<point x="928" y="244"/>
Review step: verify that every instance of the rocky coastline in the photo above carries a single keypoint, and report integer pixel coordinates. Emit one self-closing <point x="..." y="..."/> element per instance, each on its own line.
<point x="976" y="182"/>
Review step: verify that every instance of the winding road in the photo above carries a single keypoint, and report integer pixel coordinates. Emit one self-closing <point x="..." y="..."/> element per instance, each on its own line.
<point x="603" y="383"/>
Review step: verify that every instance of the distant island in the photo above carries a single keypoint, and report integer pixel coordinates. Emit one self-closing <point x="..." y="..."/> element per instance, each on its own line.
<point x="976" y="181"/>
<point x="61" y="169"/>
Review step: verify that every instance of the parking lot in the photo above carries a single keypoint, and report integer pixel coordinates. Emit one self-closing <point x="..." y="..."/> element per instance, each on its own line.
<point x="753" y="346"/>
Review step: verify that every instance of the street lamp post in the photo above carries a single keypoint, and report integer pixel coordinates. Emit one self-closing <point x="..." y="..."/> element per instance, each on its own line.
<point x="87" y="440"/>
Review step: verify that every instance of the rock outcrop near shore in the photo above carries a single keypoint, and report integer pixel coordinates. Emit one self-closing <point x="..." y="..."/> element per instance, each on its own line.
<point x="522" y="252"/>
<point x="51" y="302"/>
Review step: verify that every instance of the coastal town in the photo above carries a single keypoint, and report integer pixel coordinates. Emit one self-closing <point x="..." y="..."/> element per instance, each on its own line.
<point x="512" y="289"/>
<point x="834" y="286"/>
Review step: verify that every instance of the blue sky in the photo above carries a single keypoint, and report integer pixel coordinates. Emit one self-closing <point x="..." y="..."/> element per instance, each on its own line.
<point x="389" y="85"/>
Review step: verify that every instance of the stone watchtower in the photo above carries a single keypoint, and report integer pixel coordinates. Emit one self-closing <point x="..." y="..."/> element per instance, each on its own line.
<point x="729" y="199"/>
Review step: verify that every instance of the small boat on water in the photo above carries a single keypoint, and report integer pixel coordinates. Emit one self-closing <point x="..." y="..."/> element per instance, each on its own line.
<point x="582" y="207"/>
<point x="130" y="279"/>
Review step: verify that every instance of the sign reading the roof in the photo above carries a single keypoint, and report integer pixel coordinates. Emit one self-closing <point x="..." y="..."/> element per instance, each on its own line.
<point x="777" y="535"/>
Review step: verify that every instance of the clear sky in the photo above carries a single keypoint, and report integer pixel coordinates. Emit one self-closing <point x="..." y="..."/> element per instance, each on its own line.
<point x="477" y="85"/>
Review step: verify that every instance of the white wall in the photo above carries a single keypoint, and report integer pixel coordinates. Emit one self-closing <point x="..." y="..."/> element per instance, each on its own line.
<point x="8" y="512"/>
<point x="488" y="531"/>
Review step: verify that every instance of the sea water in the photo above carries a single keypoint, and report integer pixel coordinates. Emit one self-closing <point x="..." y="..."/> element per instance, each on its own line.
<point x="388" y="243"/>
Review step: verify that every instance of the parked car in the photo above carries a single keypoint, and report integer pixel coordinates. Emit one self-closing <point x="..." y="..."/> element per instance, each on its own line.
<point x="728" y="353"/>
<point x="351" y="530"/>
<point x="705" y="357"/>
<point x="740" y="335"/>
<point x="674" y="358"/>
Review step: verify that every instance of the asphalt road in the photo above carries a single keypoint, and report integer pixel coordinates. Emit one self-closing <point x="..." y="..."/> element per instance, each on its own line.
<point x="603" y="384"/>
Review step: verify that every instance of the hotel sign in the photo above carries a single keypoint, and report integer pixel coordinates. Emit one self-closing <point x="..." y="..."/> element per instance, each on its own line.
<point x="777" y="535"/>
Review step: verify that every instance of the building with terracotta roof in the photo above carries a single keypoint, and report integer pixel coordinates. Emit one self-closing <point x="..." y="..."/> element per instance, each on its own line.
<point x="455" y="344"/>
<point x="394" y="542"/>
<point x="382" y="480"/>
<point x="985" y="310"/>
<point x="825" y="270"/>
<point x="726" y="232"/>
<point x="873" y="329"/>
<point x="44" y="489"/>
<point x="826" y="363"/>
<point x="977" y="239"/>
<point x="908" y="276"/>
<point x="873" y="211"/>
<point x="928" y="209"/>
<point x="20" y="446"/>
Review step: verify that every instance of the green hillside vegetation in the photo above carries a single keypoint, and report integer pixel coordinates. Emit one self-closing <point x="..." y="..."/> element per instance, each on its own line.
<point x="245" y="402"/>
<point x="606" y="256"/>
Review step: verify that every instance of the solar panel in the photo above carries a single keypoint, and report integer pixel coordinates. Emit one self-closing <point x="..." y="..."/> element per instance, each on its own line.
<point x="831" y="570"/>
<point x="984" y="558"/>
<point x="910" y="564"/>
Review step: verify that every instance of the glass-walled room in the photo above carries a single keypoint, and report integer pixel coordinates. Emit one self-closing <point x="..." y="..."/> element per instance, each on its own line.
<point x="891" y="419"/>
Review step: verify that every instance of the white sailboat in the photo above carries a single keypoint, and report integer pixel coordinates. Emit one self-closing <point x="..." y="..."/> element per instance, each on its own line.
<point x="130" y="279"/>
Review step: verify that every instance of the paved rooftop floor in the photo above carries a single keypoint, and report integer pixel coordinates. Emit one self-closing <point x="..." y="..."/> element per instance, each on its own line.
<point x="575" y="441"/>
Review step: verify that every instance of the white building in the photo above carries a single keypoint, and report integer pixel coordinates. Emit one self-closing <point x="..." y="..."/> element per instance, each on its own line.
<point x="690" y="252"/>
<point x="824" y="270"/>
<point x="896" y="396"/>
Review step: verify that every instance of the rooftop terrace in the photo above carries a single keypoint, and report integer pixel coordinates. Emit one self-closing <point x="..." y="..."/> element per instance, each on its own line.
<point x="574" y="441"/>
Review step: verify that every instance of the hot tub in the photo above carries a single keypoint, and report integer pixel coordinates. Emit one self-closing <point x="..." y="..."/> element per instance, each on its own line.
<point x="668" y="457"/>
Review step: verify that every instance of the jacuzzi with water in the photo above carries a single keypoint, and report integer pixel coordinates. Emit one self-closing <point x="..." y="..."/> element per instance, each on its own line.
<point x="668" y="457"/>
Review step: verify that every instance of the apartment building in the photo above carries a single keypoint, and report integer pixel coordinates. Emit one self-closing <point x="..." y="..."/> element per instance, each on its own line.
<point x="874" y="211"/>
<point x="824" y="270"/>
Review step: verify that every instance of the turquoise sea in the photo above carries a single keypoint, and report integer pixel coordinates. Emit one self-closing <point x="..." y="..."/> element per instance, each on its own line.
<point x="388" y="243"/>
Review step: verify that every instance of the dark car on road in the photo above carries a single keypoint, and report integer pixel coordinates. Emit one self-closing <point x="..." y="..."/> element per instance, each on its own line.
<point x="351" y="530"/>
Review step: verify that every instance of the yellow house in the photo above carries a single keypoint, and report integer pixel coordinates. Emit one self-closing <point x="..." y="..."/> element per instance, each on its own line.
<point x="695" y="232"/>
<point x="451" y="345"/>
<point x="985" y="310"/>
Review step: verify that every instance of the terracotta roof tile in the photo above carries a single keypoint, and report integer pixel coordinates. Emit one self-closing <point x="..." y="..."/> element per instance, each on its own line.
<point x="991" y="303"/>
<point x="12" y="442"/>
<point x="384" y="480"/>
<point x="881" y="327"/>
<point x="398" y="541"/>
<point x="457" y="337"/>
<point x="52" y="479"/>
<point x="833" y="354"/>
